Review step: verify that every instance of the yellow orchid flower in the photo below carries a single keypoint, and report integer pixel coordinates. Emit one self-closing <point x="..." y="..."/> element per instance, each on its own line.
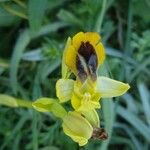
<point x="84" y="97"/>
<point x="83" y="126"/>
<point x="82" y="55"/>
<point x="79" y="126"/>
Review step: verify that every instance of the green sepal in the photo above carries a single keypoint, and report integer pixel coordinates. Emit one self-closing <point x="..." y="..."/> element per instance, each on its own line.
<point x="65" y="70"/>
<point x="49" y="105"/>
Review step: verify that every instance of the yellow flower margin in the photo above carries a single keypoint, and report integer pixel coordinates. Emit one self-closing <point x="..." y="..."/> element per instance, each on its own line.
<point x="73" y="45"/>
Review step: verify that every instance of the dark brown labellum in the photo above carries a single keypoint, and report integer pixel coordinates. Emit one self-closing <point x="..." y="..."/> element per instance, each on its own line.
<point x="86" y="61"/>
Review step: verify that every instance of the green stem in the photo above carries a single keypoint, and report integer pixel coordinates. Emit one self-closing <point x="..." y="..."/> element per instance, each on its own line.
<point x="24" y="103"/>
<point x="10" y="101"/>
<point x="100" y="17"/>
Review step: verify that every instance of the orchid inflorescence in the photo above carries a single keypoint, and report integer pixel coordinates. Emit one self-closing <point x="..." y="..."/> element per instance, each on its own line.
<point x="82" y="56"/>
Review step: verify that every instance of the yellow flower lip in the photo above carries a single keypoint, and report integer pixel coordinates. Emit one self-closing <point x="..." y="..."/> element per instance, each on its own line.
<point x="83" y="55"/>
<point x="83" y="126"/>
<point x="77" y="127"/>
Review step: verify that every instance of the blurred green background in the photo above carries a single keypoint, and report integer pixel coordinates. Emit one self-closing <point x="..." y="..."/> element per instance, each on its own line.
<point x="32" y="37"/>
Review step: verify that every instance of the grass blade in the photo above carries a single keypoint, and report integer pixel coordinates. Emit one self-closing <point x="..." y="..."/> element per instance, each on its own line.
<point x="20" y="46"/>
<point x="108" y="114"/>
<point x="144" y="93"/>
<point x="36" y="12"/>
<point x="135" y="122"/>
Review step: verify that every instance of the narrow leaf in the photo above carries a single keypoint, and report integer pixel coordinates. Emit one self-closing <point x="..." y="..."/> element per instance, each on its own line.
<point x="20" y="46"/>
<point x="134" y="121"/>
<point x="36" y="12"/>
<point x="144" y="93"/>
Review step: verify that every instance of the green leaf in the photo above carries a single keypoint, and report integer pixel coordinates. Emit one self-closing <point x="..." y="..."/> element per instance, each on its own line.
<point x="108" y="113"/>
<point x="141" y="9"/>
<point x="48" y="68"/>
<point x="130" y="133"/>
<point x="15" y="10"/>
<point x="69" y="17"/>
<point x="20" y="46"/>
<point x="49" y="148"/>
<point x="128" y="98"/>
<point x="10" y="18"/>
<point x="100" y="17"/>
<point x="33" y="55"/>
<point x="122" y="140"/>
<point x="145" y="97"/>
<point x="134" y="121"/>
<point x="36" y="13"/>
<point x="49" y="105"/>
<point x="52" y="27"/>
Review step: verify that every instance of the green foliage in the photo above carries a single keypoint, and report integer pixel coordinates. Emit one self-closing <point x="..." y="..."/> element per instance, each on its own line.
<point x="33" y="34"/>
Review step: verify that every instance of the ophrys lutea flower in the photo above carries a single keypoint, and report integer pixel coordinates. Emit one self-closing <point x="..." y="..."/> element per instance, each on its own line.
<point x="82" y="56"/>
<point x="79" y="126"/>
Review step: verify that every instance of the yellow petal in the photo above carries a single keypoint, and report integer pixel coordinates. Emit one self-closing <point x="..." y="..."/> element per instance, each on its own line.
<point x="92" y="37"/>
<point x="92" y="117"/>
<point x="84" y="102"/>
<point x="111" y="88"/>
<point x="70" y="58"/>
<point x="81" y="140"/>
<point x="77" y="127"/>
<point x="96" y="96"/>
<point x="76" y="101"/>
<point x="77" y="39"/>
<point x="72" y="47"/>
<point x="64" y="89"/>
<point x="88" y="86"/>
<point x="88" y="105"/>
<point x="100" y="53"/>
